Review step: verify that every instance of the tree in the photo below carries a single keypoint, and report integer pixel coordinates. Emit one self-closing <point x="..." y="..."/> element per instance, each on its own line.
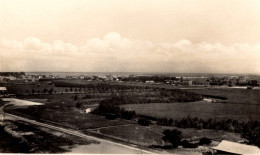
<point x="45" y="90"/>
<point x="50" y="91"/>
<point x="204" y="140"/>
<point x="78" y="104"/>
<point x="187" y="144"/>
<point x="173" y="136"/>
<point x="76" y="97"/>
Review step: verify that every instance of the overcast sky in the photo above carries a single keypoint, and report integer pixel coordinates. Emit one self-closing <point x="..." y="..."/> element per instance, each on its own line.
<point x="217" y="36"/>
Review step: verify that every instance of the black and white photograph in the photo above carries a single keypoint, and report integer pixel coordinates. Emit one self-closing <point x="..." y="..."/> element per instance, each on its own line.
<point x="130" y="77"/>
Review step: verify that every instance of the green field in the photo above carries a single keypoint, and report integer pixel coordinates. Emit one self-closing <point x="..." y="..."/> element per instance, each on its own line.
<point x="192" y="134"/>
<point x="60" y="109"/>
<point x="233" y="95"/>
<point x="241" y="104"/>
<point x="200" y="109"/>
<point x="140" y="135"/>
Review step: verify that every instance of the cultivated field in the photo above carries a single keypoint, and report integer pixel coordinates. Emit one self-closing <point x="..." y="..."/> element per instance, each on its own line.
<point x="56" y="111"/>
<point x="140" y="135"/>
<point x="241" y="104"/>
<point x="233" y="95"/>
<point x="203" y="110"/>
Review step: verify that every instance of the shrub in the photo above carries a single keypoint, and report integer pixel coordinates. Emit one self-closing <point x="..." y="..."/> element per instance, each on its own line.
<point x="187" y="144"/>
<point x="144" y="121"/>
<point x="204" y="140"/>
<point x="127" y="114"/>
<point x="76" y="97"/>
<point x="173" y="136"/>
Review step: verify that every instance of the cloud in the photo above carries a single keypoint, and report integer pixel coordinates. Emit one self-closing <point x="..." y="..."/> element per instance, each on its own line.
<point x="32" y="44"/>
<point x="114" y="52"/>
<point x="11" y="44"/>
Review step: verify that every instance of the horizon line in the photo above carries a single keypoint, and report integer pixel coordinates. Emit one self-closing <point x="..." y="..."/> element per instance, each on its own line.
<point x="155" y="72"/>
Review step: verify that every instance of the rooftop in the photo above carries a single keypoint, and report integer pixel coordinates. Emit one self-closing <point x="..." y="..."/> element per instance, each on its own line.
<point x="237" y="148"/>
<point x="3" y="88"/>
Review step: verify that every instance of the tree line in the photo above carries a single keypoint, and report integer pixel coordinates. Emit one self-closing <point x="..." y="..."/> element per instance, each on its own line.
<point x="249" y="130"/>
<point x="160" y="79"/>
<point x="15" y="74"/>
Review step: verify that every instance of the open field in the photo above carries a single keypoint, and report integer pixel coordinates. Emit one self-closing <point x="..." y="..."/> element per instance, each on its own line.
<point x="192" y="134"/>
<point x="70" y="116"/>
<point x="152" y="135"/>
<point x="233" y="95"/>
<point x="200" y="109"/>
<point x="241" y="104"/>
<point x="144" y="136"/>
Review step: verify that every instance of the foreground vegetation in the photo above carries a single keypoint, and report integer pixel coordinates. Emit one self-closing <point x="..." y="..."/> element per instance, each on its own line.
<point x="20" y="137"/>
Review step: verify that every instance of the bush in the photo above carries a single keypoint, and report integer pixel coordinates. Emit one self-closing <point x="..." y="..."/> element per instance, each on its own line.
<point x="173" y="136"/>
<point x="165" y="121"/>
<point x="144" y="121"/>
<point x="205" y="140"/>
<point x="187" y="144"/>
<point x="127" y="114"/>
<point x="76" y="97"/>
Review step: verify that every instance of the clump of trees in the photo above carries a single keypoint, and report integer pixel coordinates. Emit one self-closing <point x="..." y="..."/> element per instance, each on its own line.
<point x="175" y="138"/>
<point x="111" y="106"/>
<point x="164" y="121"/>
<point x="249" y="130"/>
<point x="177" y="95"/>
<point x="160" y="79"/>
<point x="15" y="74"/>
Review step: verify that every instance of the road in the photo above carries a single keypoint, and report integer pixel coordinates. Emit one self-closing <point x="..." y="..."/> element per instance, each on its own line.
<point x="105" y="146"/>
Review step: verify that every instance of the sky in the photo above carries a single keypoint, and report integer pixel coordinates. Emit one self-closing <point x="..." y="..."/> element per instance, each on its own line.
<point x="198" y="36"/>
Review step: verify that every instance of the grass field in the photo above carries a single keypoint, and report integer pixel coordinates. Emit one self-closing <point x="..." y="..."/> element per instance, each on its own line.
<point x="201" y="109"/>
<point x="141" y="135"/>
<point x="60" y="109"/>
<point x="241" y="104"/>
<point x="233" y="95"/>
<point x="192" y="134"/>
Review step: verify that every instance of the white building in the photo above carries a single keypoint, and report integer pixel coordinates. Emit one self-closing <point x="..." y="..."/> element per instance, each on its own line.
<point x="3" y="91"/>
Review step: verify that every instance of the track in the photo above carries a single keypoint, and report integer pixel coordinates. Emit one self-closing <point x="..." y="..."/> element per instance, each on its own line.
<point x="78" y="134"/>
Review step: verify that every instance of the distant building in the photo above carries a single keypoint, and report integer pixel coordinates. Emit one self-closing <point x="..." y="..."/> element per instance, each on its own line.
<point x="88" y="110"/>
<point x="186" y="82"/>
<point x="227" y="147"/>
<point x="3" y="91"/>
<point x="233" y="77"/>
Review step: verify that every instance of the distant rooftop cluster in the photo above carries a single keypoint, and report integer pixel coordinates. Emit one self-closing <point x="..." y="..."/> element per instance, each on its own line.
<point x="170" y="79"/>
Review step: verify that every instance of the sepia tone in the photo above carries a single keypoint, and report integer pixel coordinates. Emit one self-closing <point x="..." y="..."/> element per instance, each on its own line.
<point x="130" y="76"/>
